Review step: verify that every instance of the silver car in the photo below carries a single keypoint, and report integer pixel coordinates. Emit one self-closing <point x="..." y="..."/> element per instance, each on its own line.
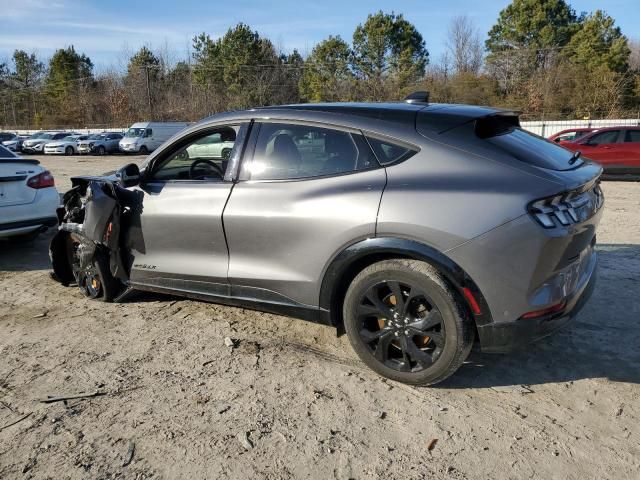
<point x="415" y="228"/>
<point x="100" y="143"/>
<point x="36" y="142"/>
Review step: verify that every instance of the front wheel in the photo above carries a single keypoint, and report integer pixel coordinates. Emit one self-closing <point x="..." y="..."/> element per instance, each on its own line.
<point x="143" y="150"/>
<point x="68" y="151"/>
<point x="405" y="322"/>
<point x="96" y="280"/>
<point x="101" y="150"/>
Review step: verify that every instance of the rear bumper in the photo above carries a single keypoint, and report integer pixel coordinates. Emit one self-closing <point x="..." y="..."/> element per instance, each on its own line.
<point x="27" y="217"/>
<point x="503" y="337"/>
<point x="35" y="222"/>
<point x="26" y="226"/>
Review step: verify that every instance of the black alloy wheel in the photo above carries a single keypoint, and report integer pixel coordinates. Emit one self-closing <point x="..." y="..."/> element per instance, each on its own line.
<point x="401" y="326"/>
<point x="406" y="322"/>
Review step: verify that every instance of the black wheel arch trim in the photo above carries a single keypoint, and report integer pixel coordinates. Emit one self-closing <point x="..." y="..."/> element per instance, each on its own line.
<point x="401" y="247"/>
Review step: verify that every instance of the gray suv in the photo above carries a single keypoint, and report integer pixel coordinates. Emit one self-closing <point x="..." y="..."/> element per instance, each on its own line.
<point x="415" y="228"/>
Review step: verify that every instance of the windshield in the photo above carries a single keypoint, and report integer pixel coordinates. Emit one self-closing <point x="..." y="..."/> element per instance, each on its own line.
<point x="45" y="136"/>
<point x="96" y="136"/>
<point x="37" y="135"/>
<point x="134" y="132"/>
<point x="69" y="138"/>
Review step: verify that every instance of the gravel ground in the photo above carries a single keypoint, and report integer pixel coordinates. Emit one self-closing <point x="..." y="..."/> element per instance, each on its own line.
<point x="290" y="400"/>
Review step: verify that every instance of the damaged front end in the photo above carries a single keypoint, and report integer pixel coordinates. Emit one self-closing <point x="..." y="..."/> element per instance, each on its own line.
<point x="94" y="239"/>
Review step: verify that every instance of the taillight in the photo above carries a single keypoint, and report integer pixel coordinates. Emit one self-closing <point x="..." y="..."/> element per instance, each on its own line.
<point x="42" y="180"/>
<point x="567" y="208"/>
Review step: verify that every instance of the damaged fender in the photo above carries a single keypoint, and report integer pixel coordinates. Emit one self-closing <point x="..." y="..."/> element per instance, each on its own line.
<point x="93" y="243"/>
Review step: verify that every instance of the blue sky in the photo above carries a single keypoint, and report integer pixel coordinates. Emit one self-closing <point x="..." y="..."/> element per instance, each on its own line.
<point x="104" y="29"/>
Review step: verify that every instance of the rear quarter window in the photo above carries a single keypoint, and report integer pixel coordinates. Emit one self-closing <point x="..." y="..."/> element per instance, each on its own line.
<point x="388" y="152"/>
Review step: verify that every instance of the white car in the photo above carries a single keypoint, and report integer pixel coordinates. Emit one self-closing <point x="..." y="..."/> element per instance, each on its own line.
<point x="65" y="146"/>
<point x="28" y="197"/>
<point x="211" y="147"/>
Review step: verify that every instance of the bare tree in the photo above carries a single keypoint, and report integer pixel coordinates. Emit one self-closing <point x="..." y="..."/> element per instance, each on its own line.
<point x="464" y="45"/>
<point x="634" y="58"/>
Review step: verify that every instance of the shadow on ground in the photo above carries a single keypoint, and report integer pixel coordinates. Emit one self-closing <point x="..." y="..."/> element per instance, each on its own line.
<point x="602" y="342"/>
<point x="23" y="254"/>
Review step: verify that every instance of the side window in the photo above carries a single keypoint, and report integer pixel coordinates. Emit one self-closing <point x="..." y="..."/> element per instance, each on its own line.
<point x="148" y="132"/>
<point x="204" y="157"/>
<point x="632" y="136"/>
<point x="566" y="137"/>
<point x="610" y="136"/>
<point x="388" y="152"/>
<point x="289" y="151"/>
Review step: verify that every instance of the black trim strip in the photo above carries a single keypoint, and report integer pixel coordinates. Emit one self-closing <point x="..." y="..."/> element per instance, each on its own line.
<point x="303" y="312"/>
<point x="16" y="178"/>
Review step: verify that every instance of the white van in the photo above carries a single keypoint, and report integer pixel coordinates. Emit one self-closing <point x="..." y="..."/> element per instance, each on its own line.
<point x="145" y="137"/>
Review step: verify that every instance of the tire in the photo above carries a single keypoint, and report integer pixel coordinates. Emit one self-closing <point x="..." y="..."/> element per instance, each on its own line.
<point x="421" y="339"/>
<point x="68" y="151"/>
<point x="96" y="282"/>
<point x="101" y="150"/>
<point x="143" y="150"/>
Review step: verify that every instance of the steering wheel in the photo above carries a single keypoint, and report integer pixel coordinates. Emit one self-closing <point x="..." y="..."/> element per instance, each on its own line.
<point x="215" y="166"/>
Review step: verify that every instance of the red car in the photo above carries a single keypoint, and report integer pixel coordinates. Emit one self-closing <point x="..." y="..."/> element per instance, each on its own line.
<point x="617" y="149"/>
<point x="570" y="135"/>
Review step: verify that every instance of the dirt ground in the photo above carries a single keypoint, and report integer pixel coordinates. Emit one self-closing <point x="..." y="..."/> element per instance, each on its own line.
<point x="291" y="400"/>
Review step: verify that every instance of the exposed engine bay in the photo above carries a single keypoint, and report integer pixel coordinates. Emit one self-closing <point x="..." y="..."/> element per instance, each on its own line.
<point x="99" y="224"/>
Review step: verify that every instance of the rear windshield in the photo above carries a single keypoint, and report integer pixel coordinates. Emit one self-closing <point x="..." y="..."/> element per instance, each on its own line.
<point x="525" y="146"/>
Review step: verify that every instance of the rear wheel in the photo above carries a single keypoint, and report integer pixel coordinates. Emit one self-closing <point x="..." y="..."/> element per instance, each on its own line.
<point x="405" y="322"/>
<point x="68" y="151"/>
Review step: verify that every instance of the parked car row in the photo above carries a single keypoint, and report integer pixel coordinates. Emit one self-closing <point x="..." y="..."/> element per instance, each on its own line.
<point x="617" y="149"/>
<point x="141" y="138"/>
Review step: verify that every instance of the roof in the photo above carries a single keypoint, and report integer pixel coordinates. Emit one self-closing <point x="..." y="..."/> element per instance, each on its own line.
<point x="391" y="118"/>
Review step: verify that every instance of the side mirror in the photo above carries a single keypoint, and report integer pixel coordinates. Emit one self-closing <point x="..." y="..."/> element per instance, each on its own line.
<point x="128" y="175"/>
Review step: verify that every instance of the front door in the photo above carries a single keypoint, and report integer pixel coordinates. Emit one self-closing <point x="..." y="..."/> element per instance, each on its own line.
<point x="182" y="246"/>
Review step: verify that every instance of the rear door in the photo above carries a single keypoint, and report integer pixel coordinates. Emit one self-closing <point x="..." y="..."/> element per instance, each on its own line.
<point x="630" y="149"/>
<point x="304" y="193"/>
<point x="603" y="147"/>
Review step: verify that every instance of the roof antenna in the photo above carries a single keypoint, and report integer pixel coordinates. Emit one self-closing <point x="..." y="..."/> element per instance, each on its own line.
<point x="421" y="96"/>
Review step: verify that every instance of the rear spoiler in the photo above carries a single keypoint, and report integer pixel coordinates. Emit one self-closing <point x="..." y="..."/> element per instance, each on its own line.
<point x="496" y="124"/>
<point x="440" y="119"/>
